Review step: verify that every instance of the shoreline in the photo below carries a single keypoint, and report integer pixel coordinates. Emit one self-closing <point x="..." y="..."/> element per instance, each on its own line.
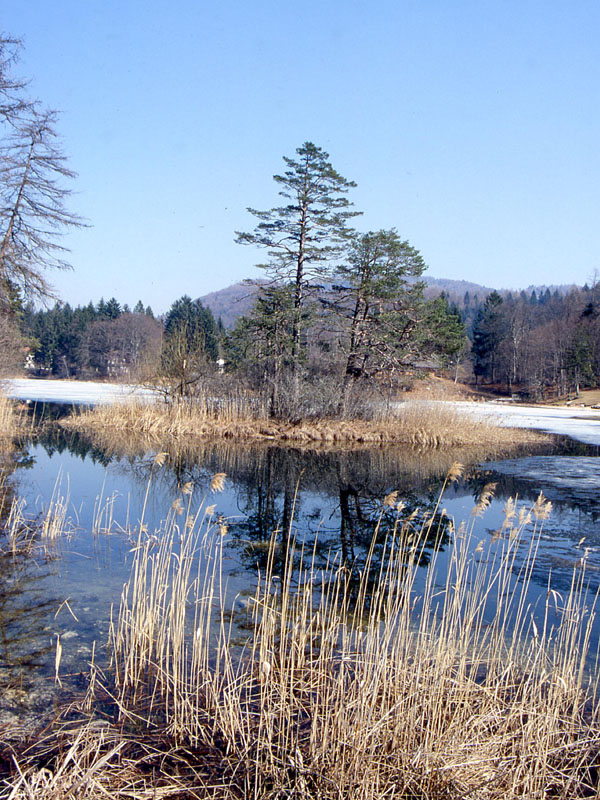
<point x="419" y="426"/>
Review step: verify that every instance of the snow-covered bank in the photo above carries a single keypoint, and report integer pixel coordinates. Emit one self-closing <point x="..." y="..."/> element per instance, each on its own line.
<point x="75" y="392"/>
<point x="581" y="424"/>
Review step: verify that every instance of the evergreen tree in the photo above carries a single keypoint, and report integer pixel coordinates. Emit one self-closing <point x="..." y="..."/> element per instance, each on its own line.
<point x="112" y="309"/>
<point x="101" y="309"/>
<point x="303" y="236"/>
<point x="378" y="303"/>
<point x="190" y="342"/>
<point x="445" y="335"/>
<point x="260" y="344"/>
<point x="488" y="333"/>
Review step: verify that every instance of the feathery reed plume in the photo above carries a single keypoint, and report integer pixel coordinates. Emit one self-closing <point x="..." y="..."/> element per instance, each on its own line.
<point x="390" y="499"/>
<point x="542" y="508"/>
<point x="217" y="483"/>
<point x="484" y="499"/>
<point x="455" y="472"/>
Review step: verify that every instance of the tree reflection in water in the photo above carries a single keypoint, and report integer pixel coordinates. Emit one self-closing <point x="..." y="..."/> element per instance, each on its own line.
<point x="327" y="504"/>
<point x="353" y="533"/>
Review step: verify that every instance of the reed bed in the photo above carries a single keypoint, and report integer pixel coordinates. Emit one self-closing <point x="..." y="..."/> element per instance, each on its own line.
<point x="10" y="421"/>
<point x="397" y="685"/>
<point x="424" y="426"/>
<point x="54" y="523"/>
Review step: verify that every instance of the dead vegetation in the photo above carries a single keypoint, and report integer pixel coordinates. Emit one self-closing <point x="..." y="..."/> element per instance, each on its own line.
<point x="420" y="425"/>
<point x="11" y="422"/>
<point x="392" y="687"/>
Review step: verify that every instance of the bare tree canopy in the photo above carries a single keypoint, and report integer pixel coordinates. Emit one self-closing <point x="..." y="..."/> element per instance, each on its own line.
<point x="34" y="188"/>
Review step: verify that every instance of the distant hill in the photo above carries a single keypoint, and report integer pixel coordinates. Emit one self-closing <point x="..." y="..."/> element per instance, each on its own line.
<point x="457" y="287"/>
<point x="236" y="300"/>
<point x="232" y="302"/>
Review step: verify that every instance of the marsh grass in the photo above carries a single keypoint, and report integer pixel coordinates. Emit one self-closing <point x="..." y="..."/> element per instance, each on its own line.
<point x="54" y="521"/>
<point x="449" y="685"/>
<point x="11" y="421"/>
<point x="26" y="534"/>
<point x="422" y="426"/>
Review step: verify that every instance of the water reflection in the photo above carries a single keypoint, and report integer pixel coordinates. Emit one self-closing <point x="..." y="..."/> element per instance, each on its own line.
<point x="327" y="505"/>
<point x="24" y="606"/>
<point x="331" y="511"/>
<point x="24" y="600"/>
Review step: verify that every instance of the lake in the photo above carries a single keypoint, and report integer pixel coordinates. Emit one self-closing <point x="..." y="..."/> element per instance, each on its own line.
<point x="332" y="503"/>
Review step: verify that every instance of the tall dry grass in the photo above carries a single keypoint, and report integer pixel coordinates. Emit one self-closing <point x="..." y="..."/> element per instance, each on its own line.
<point x="424" y="426"/>
<point x="447" y="686"/>
<point x="369" y="693"/>
<point x="10" y="421"/>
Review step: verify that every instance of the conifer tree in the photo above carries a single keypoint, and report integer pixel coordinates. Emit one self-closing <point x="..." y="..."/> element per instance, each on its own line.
<point x="303" y="236"/>
<point x="489" y="331"/>
<point x="374" y="294"/>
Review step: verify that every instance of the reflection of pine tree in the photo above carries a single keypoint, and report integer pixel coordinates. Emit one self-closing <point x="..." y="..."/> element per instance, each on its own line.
<point x="367" y="527"/>
<point x="275" y="510"/>
<point x="272" y="504"/>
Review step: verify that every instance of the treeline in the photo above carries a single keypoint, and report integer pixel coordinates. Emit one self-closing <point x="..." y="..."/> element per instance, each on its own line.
<point x="538" y="347"/>
<point x="110" y="340"/>
<point x="102" y="340"/>
<point x="535" y="345"/>
<point x="187" y="345"/>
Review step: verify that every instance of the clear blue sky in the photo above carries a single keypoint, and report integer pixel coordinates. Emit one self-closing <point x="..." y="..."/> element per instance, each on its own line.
<point x="471" y="127"/>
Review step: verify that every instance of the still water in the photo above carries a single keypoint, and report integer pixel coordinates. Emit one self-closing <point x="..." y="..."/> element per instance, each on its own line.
<point x="331" y="501"/>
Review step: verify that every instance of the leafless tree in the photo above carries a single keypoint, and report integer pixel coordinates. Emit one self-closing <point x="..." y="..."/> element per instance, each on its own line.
<point x="34" y="189"/>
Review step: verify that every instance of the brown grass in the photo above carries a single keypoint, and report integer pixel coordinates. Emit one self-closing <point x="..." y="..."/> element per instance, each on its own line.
<point x="11" y="421"/>
<point x="421" y="425"/>
<point x="370" y="691"/>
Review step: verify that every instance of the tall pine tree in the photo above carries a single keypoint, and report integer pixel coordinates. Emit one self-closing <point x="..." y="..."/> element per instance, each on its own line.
<point x="303" y="236"/>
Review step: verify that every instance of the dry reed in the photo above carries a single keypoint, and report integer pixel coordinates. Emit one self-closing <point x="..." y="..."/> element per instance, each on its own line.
<point x="424" y="426"/>
<point x="389" y="688"/>
<point x="10" y="421"/>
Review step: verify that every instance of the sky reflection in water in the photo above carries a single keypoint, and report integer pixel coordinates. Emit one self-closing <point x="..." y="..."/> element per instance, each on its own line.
<point x="335" y="499"/>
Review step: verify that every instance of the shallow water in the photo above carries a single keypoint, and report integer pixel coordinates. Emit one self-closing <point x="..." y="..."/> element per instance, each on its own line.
<point x="331" y="500"/>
